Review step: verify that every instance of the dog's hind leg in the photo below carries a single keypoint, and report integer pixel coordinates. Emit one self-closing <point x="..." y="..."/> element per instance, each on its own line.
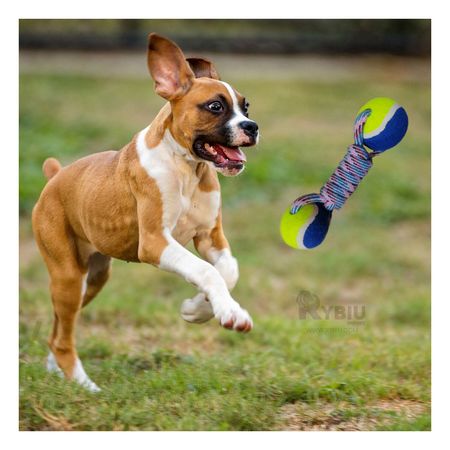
<point x="197" y="309"/>
<point x="66" y="297"/>
<point x="66" y="272"/>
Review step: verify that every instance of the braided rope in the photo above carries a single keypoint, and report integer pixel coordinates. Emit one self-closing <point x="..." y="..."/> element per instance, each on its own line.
<point x="347" y="176"/>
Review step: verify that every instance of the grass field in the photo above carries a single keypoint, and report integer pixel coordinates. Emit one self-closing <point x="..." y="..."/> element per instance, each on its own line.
<point x="158" y="372"/>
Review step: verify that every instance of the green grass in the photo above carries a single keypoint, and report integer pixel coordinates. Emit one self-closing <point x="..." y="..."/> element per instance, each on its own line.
<point x="160" y="373"/>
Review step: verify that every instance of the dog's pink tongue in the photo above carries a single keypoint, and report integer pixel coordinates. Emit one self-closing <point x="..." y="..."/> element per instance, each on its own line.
<point x="235" y="154"/>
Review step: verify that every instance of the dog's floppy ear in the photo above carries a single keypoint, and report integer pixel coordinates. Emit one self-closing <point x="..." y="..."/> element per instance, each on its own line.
<point x="203" y="68"/>
<point x="168" y="67"/>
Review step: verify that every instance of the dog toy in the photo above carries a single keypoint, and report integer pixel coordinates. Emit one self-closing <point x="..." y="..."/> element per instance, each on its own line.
<point x="380" y="125"/>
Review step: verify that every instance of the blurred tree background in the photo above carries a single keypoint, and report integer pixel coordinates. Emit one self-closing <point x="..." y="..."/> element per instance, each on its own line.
<point x="261" y="36"/>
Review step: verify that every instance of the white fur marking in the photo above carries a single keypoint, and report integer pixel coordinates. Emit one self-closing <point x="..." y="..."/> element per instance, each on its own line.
<point x="80" y="376"/>
<point x="226" y="264"/>
<point x="206" y="207"/>
<point x="237" y="117"/>
<point x="159" y="165"/>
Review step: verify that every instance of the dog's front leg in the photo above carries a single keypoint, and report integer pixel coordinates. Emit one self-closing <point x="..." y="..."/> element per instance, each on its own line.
<point x="165" y="252"/>
<point x="213" y="246"/>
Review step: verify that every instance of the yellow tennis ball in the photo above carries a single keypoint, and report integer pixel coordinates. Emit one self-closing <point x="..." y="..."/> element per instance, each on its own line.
<point x="306" y="228"/>
<point x="386" y="125"/>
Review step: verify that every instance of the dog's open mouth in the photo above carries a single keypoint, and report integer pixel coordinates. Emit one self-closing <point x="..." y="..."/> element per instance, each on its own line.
<point x="222" y="156"/>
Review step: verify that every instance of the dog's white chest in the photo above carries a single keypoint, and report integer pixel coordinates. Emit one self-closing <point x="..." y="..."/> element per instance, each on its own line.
<point x="186" y="208"/>
<point x="199" y="212"/>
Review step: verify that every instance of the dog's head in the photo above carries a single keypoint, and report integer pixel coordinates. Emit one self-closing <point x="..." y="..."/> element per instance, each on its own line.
<point x="209" y="118"/>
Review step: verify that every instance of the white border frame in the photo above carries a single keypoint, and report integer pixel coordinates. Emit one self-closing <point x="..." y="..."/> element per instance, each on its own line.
<point x="229" y="9"/>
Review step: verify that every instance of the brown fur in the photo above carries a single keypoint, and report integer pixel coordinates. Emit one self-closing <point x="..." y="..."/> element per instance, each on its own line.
<point x="203" y="68"/>
<point x="51" y="167"/>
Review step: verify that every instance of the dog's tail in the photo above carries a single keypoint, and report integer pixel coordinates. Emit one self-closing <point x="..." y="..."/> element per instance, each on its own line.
<point x="51" y="167"/>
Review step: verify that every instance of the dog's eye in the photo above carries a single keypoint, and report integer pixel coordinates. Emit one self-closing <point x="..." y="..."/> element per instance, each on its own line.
<point x="215" y="106"/>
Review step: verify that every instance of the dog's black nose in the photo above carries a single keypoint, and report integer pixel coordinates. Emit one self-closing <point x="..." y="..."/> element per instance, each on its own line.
<point x="250" y="128"/>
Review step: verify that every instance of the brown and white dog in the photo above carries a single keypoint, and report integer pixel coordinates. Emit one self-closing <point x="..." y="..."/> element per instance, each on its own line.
<point x="145" y="202"/>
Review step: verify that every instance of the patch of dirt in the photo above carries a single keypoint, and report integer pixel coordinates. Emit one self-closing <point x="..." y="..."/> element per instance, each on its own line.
<point x="407" y="408"/>
<point x="330" y="417"/>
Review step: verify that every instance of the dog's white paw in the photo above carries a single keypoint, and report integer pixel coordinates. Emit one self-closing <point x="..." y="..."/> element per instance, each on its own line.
<point x="79" y="375"/>
<point x="197" y="309"/>
<point x="232" y="316"/>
